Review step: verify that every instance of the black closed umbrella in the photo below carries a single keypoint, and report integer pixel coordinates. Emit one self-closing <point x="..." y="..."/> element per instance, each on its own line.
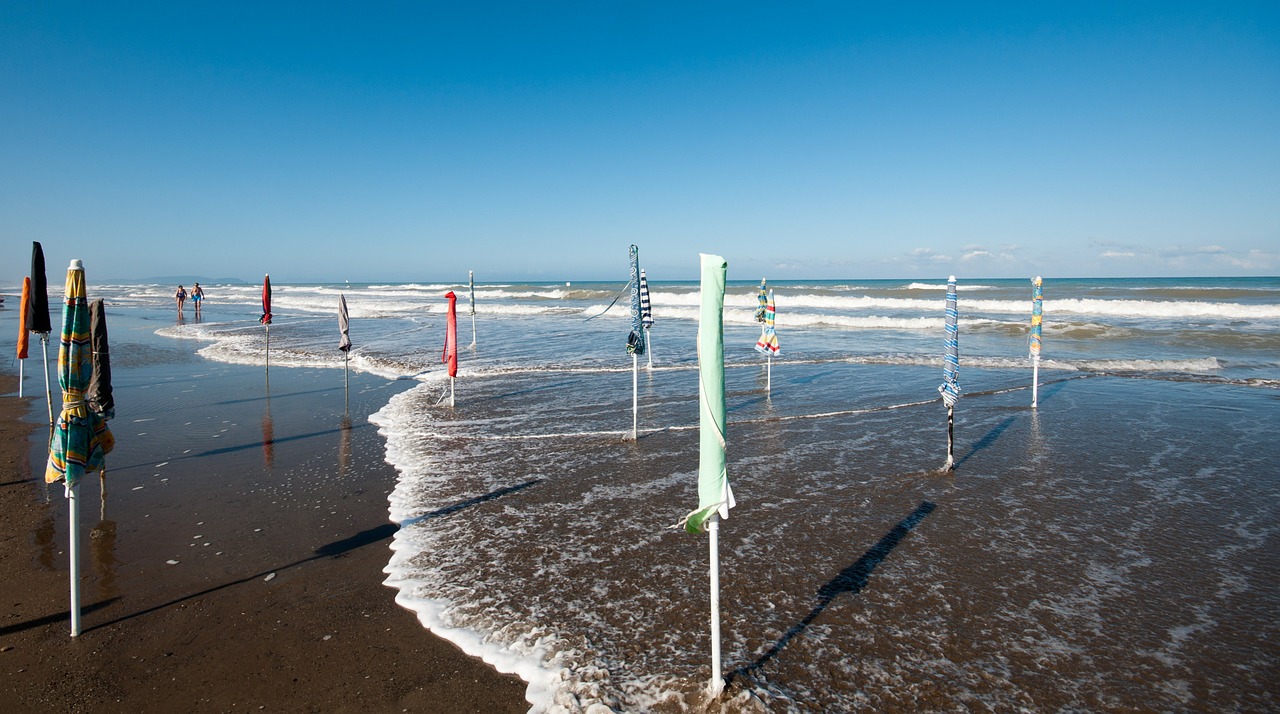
<point x="38" y="314"/>
<point x="100" y="398"/>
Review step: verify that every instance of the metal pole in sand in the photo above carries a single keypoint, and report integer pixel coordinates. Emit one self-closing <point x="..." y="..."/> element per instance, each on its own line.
<point x="451" y="380"/>
<point x="268" y="348"/>
<point x="716" y="685"/>
<point x="73" y="499"/>
<point x="768" y="375"/>
<point x="1035" y="381"/>
<point x="48" y="392"/>
<point x="648" y="347"/>
<point x="951" y="459"/>
<point x="21" y="364"/>
<point x="635" y="396"/>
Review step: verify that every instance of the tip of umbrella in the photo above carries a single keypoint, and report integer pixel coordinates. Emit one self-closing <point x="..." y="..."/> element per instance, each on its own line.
<point x="951" y="278"/>
<point x="75" y="264"/>
<point x="1037" y="281"/>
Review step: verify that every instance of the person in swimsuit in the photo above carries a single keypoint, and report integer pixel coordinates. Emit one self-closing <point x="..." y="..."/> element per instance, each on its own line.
<point x="197" y="296"/>
<point x="181" y="297"/>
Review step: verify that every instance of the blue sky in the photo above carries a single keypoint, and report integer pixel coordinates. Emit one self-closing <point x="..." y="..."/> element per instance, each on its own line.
<point x="415" y="141"/>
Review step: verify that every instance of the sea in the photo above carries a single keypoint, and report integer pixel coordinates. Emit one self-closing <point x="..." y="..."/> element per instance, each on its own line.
<point x="1116" y="547"/>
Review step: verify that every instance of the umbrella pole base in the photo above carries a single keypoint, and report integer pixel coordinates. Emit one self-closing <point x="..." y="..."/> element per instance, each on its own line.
<point x="950" y="464"/>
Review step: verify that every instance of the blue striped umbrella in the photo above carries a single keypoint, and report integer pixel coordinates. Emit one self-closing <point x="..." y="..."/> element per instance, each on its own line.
<point x="950" y="387"/>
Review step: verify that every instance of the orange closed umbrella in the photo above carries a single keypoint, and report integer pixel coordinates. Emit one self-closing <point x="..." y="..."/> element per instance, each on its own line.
<point x="24" y="335"/>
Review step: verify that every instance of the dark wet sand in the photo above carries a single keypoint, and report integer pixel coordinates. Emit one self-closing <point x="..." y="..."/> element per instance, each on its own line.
<point x="210" y="633"/>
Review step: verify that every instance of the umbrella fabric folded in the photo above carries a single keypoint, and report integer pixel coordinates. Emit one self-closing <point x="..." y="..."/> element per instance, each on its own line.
<point x="266" y="300"/>
<point x="81" y="439"/>
<point x="344" y="324"/>
<point x="950" y="387"/>
<point x="768" y="342"/>
<point x="635" y="341"/>
<point x="24" y="332"/>
<point x="714" y="493"/>
<point x="1037" y="315"/>
<point x="646" y="309"/>
<point x="450" y="356"/>
<point x="38" y="308"/>
<point x="101" y="399"/>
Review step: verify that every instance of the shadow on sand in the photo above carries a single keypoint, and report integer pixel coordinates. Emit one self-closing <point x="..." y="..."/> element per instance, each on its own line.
<point x="336" y="549"/>
<point x="850" y="580"/>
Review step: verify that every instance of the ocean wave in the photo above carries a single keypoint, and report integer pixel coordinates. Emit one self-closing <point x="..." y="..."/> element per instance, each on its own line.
<point x="943" y="286"/>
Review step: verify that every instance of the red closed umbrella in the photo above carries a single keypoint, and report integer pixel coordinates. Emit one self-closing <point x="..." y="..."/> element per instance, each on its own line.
<point x="450" y="356"/>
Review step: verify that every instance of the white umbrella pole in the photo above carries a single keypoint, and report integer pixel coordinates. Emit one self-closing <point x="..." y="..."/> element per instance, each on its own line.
<point x="951" y="461"/>
<point x="1035" y="381"/>
<point x="768" y="375"/>
<point x="48" y="393"/>
<point x="451" y="380"/>
<point x="346" y="376"/>
<point x="21" y="363"/>
<point x="73" y="498"/>
<point x="635" y="396"/>
<point x="648" y="347"/>
<point x="268" y="348"/>
<point x="716" y="685"/>
<point x="473" y="329"/>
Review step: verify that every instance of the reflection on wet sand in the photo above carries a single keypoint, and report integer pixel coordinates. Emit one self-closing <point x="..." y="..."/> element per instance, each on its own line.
<point x="344" y="445"/>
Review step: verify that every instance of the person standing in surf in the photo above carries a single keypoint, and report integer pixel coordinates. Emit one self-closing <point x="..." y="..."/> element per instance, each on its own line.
<point x="197" y="297"/>
<point x="181" y="297"/>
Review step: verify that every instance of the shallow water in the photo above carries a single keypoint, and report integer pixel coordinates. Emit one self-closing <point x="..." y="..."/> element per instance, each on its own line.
<point x="1114" y="549"/>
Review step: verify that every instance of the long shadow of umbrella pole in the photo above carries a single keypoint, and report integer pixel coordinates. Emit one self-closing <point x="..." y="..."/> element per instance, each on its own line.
<point x="850" y="580"/>
<point x="329" y="550"/>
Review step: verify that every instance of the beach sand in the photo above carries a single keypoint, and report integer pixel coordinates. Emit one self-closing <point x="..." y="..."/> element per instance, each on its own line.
<point x="245" y="494"/>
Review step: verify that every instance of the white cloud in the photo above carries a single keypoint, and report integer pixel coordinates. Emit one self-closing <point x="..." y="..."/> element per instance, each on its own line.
<point x="976" y="254"/>
<point x="929" y="255"/>
<point x="1118" y="254"/>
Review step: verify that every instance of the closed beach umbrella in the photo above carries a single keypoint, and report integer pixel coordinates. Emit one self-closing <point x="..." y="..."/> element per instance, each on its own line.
<point x="768" y="342"/>
<point x="80" y="440"/>
<point x="266" y="300"/>
<point x="1037" y="317"/>
<point x="24" y="334"/>
<point x="38" y="308"/>
<point x="950" y="387"/>
<point x="38" y="316"/>
<point x="450" y="356"/>
<point x="266" y="314"/>
<point x="344" y="339"/>
<point x="344" y="324"/>
<point x="635" y="340"/>
<point x="646" y="314"/>
<point x="763" y="299"/>
<point x="471" y="287"/>
<point x="101" y="399"/>
<point x="715" y="497"/>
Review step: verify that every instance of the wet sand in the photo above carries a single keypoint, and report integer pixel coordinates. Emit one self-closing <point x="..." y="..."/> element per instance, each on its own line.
<point x="213" y="632"/>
